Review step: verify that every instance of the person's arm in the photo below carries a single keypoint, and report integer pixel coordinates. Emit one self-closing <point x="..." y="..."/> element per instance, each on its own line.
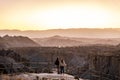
<point x="65" y="64"/>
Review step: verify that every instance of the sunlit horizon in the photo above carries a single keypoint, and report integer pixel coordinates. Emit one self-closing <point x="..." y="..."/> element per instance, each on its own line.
<point x="59" y="14"/>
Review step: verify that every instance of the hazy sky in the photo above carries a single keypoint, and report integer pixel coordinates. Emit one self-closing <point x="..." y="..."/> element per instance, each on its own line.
<point x="52" y="14"/>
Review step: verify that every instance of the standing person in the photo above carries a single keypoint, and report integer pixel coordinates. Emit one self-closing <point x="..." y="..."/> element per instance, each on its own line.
<point x="57" y="63"/>
<point x="62" y="66"/>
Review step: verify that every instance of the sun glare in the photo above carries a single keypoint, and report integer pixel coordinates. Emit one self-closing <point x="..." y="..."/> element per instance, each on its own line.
<point x="70" y="17"/>
<point x="59" y="14"/>
<point x="64" y="17"/>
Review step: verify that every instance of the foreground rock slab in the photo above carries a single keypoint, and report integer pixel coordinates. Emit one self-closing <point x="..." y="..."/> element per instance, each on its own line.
<point x="40" y="76"/>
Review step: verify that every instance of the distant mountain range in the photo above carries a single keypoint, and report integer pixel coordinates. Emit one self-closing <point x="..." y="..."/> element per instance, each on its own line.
<point x="16" y="41"/>
<point x="64" y="37"/>
<point x="59" y="41"/>
<point x="80" y="32"/>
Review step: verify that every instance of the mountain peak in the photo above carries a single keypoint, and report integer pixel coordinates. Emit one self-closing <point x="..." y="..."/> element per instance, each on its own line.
<point x="56" y="36"/>
<point x="6" y="36"/>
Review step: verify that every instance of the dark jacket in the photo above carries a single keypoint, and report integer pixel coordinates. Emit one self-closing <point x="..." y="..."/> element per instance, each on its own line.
<point x="57" y="62"/>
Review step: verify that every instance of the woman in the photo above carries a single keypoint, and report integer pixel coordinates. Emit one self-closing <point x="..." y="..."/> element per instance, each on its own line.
<point x="62" y="66"/>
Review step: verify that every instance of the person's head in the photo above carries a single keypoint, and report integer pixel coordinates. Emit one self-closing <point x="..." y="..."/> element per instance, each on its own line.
<point x="62" y="60"/>
<point x="58" y="58"/>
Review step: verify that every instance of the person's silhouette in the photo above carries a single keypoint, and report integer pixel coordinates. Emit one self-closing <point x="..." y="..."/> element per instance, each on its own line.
<point x="62" y="66"/>
<point x="57" y="63"/>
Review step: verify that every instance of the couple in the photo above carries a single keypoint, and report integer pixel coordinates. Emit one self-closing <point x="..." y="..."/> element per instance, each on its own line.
<point x="60" y="65"/>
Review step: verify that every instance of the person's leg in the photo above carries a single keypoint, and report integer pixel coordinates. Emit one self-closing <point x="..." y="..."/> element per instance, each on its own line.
<point x="61" y="70"/>
<point x="58" y="69"/>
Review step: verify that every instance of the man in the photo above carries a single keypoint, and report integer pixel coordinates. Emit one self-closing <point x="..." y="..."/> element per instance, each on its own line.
<point x="57" y="63"/>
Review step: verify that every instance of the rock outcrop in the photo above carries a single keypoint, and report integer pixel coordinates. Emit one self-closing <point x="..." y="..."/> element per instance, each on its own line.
<point x="105" y="66"/>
